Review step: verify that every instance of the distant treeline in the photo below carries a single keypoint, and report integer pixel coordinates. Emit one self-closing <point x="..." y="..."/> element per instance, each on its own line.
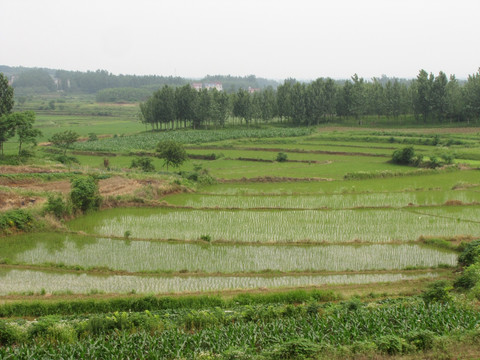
<point x="428" y="98"/>
<point x="39" y="80"/>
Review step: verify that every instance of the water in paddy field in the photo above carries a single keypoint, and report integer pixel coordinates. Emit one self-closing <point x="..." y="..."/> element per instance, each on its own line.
<point x="135" y="256"/>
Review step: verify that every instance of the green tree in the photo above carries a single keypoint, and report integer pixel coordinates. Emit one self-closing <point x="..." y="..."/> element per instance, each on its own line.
<point x="6" y="96"/>
<point x="242" y="105"/>
<point x="64" y="139"/>
<point x="422" y="94"/>
<point x="85" y="195"/>
<point x="220" y="107"/>
<point x="172" y="153"/>
<point x="186" y="102"/>
<point x="6" y="104"/>
<point x="439" y="96"/>
<point x="472" y="95"/>
<point x="23" y="125"/>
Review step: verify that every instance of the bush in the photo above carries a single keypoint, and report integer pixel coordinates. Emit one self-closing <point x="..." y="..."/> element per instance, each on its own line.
<point x="19" y="219"/>
<point x="470" y="254"/>
<point x="295" y="349"/>
<point x="10" y="333"/>
<point x="143" y="163"/>
<point x="85" y="195"/>
<point x="281" y="157"/>
<point x="469" y="278"/>
<point x="403" y="156"/>
<point x="57" y="206"/>
<point x="422" y="339"/>
<point x="391" y="344"/>
<point x="437" y="291"/>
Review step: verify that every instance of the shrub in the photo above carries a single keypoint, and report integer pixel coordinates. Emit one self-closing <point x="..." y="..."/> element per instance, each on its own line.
<point x="391" y="344"/>
<point x="19" y="219"/>
<point x="422" y="339"/>
<point x="10" y="333"/>
<point x="92" y="137"/>
<point x="281" y="157"/>
<point x="57" y="206"/>
<point x="143" y="163"/>
<point x="403" y="156"/>
<point x="470" y="254"/>
<point x="437" y="291"/>
<point x="469" y="278"/>
<point x="299" y="348"/>
<point x="85" y="195"/>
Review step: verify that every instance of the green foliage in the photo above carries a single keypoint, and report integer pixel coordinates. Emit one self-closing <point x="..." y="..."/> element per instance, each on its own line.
<point x="57" y="206"/>
<point x="16" y="219"/>
<point x="206" y="238"/>
<point x="421" y="339"/>
<point x="281" y="157"/>
<point x="64" y="139"/>
<point x="403" y="156"/>
<point x="34" y="80"/>
<point x="10" y="333"/>
<point x="299" y="348"/>
<point x="85" y="195"/>
<point x="148" y="141"/>
<point x="66" y="160"/>
<point x="391" y="344"/>
<point x="172" y="153"/>
<point x="92" y="137"/>
<point x="6" y="96"/>
<point x="470" y="254"/>
<point x="437" y="291"/>
<point x="122" y="95"/>
<point x="470" y="277"/>
<point x="143" y="163"/>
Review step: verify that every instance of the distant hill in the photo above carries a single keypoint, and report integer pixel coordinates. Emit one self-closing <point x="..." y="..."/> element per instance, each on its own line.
<point x="42" y="80"/>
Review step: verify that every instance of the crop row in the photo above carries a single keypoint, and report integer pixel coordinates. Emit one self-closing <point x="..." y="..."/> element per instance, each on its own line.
<point x="154" y="256"/>
<point x="24" y="281"/>
<point x="278" y="226"/>
<point x="135" y="256"/>
<point x="148" y="141"/>
<point x="274" y="332"/>
<point x="394" y="199"/>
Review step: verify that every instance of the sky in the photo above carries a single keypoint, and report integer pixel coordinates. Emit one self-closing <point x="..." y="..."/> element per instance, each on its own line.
<point x="275" y="39"/>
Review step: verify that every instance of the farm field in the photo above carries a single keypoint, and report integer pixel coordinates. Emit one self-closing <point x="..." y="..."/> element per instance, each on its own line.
<point x="73" y="251"/>
<point x="336" y="219"/>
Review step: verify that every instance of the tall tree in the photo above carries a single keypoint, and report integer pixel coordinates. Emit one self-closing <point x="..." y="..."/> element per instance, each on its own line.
<point x="472" y="95"/>
<point x="455" y="100"/>
<point x="242" y="105"/>
<point x="186" y="102"/>
<point x="298" y="103"/>
<point x="422" y="89"/>
<point x="6" y="106"/>
<point x="358" y="103"/>
<point x="64" y="139"/>
<point x="23" y="124"/>
<point x="439" y="96"/>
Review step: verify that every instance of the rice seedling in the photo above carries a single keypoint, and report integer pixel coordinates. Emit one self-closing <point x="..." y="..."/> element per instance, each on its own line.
<point x="137" y="256"/>
<point x="333" y="201"/>
<point x="18" y="281"/>
<point x="371" y="225"/>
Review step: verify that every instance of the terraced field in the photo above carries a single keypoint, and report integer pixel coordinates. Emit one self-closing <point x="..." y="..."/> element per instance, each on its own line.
<point x="338" y="212"/>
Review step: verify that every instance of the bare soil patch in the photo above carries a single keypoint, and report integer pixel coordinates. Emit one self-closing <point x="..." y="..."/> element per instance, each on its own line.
<point x="12" y="201"/>
<point x="109" y="188"/>
<point x="11" y="169"/>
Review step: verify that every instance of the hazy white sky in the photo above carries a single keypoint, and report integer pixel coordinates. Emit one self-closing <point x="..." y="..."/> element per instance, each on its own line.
<point x="303" y="39"/>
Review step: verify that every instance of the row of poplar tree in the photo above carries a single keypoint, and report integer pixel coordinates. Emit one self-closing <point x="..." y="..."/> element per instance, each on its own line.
<point x="429" y="98"/>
